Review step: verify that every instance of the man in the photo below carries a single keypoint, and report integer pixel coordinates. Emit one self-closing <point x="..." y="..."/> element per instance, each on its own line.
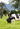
<point x="9" y="17"/>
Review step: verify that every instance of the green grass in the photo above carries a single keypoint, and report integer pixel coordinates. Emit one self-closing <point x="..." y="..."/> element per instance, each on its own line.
<point x="5" y="25"/>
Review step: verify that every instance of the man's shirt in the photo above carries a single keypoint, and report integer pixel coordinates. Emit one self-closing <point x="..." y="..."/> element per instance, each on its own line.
<point x="9" y="15"/>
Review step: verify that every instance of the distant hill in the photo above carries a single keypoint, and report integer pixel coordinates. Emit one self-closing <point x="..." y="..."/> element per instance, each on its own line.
<point x="9" y="7"/>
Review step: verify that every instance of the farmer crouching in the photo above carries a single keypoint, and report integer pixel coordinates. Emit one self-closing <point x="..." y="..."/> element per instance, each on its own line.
<point x="9" y="16"/>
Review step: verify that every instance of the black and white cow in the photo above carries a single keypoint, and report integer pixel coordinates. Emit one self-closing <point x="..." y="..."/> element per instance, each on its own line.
<point x="17" y="16"/>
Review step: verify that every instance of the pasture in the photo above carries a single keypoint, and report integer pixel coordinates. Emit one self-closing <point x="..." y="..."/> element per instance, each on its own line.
<point x="5" y="25"/>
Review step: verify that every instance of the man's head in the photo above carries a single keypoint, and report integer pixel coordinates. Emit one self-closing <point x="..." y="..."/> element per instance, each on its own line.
<point x="9" y="12"/>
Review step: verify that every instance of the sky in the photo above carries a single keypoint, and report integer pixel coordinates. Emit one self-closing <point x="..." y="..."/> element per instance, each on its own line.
<point x="9" y="6"/>
<point x="5" y="1"/>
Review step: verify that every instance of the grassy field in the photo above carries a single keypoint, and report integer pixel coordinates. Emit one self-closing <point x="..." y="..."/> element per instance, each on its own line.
<point x="5" y="25"/>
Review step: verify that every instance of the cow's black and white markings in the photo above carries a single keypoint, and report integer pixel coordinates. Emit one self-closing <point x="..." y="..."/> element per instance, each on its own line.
<point x="17" y="16"/>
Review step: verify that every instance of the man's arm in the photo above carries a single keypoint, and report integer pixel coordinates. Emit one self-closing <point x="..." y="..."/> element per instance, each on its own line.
<point x="11" y="16"/>
<point x="8" y="16"/>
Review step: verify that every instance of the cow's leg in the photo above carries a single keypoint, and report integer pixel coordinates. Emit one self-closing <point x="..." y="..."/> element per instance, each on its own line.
<point x="13" y="21"/>
<point x="13" y="18"/>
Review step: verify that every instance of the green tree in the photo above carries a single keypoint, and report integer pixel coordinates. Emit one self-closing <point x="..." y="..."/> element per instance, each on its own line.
<point x="4" y="12"/>
<point x="2" y="5"/>
<point x="13" y="12"/>
<point x="18" y="11"/>
<point x="14" y="3"/>
<point x="7" y="11"/>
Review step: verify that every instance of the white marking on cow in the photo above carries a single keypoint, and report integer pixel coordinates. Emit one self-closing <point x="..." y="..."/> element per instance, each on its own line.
<point x="13" y="15"/>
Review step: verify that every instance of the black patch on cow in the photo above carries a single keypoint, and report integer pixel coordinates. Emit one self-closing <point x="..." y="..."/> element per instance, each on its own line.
<point x="17" y="16"/>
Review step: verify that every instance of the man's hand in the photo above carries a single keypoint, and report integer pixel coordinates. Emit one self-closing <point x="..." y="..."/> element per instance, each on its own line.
<point x="8" y="16"/>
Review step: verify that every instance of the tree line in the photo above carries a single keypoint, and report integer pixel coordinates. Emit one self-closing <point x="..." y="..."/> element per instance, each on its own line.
<point x="12" y="11"/>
